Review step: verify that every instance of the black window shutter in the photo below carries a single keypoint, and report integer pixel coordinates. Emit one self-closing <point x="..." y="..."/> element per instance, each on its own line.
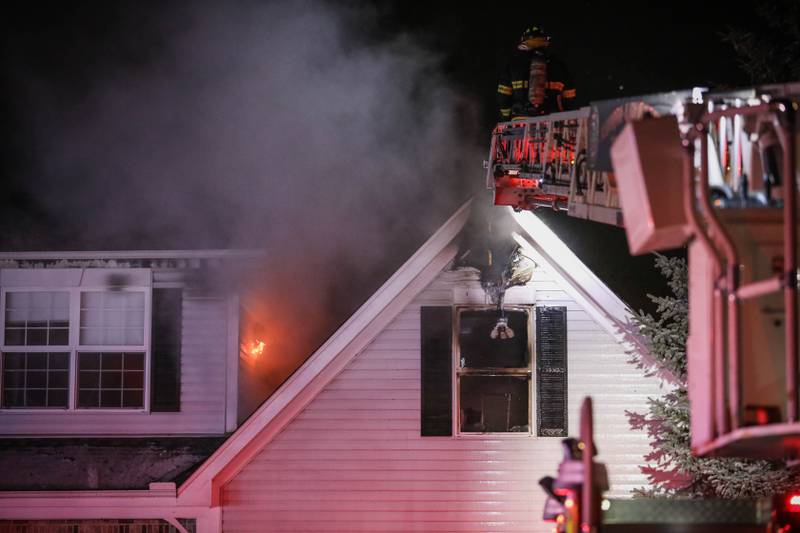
<point x="165" y="350"/>
<point x="551" y="371"/>
<point x="437" y="360"/>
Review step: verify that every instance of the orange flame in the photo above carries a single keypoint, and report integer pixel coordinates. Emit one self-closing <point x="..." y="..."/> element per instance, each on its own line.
<point x="256" y="348"/>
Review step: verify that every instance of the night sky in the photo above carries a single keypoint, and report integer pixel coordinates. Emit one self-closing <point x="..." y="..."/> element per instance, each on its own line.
<point x="139" y="124"/>
<point x="612" y="49"/>
<point x="70" y="49"/>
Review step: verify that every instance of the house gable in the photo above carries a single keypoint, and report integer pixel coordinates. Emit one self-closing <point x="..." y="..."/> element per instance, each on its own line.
<point x="338" y="446"/>
<point x="352" y="458"/>
<point x="325" y="363"/>
<point x="377" y="319"/>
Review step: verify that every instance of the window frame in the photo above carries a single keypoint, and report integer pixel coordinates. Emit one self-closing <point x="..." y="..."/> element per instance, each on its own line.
<point x="74" y="347"/>
<point x="25" y="346"/>
<point x="529" y="372"/>
<point x="44" y="408"/>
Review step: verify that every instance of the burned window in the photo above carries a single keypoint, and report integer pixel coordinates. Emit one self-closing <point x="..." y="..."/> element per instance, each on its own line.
<point x="493" y="370"/>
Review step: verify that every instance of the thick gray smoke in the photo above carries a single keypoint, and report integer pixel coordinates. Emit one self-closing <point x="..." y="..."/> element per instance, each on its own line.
<point x="260" y="124"/>
<point x="280" y="126"/>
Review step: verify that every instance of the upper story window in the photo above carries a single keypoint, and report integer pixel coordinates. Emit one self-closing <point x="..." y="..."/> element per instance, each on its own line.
<point x="78" y="348"/>
<point x="476" y="379"/>
<point x="36" y="379"/>
<point x="112" y="318"/>
<point x="493" y="372"/>
<point x="37" y="318"/>
<point x="111" y="379"/>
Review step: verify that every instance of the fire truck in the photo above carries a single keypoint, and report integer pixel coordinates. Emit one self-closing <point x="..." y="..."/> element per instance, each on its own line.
<point x="715" y="172"/>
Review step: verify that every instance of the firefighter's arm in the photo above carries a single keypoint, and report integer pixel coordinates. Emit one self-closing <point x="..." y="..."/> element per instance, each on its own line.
<point x="564" y="87"/>
<point x="567" y="98"/>
<point x="568" y="92"/>
<point x="504" y="92"/>
<point x="558" y="87"/>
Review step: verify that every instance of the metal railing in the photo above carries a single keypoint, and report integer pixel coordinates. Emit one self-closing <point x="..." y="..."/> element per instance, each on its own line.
<point x="541" y="162"/>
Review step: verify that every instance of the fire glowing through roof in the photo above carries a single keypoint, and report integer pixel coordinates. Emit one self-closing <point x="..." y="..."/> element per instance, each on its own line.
<point x="255" y="348"/>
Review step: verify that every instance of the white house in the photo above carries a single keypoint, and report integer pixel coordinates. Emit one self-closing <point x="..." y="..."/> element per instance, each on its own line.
<point x="409" y="418"/>
<point x="118" y="368"/>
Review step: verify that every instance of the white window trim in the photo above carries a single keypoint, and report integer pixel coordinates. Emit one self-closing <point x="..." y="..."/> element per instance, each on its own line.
<point x="74" y="346"/>
<point x="456" y="382"/>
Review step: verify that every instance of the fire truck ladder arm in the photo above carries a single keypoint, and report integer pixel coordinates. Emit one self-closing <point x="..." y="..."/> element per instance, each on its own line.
<point x="541" y="162"/>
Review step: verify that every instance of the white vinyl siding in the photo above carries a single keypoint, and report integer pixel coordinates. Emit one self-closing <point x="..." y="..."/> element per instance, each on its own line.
<point x="354" y="460"/>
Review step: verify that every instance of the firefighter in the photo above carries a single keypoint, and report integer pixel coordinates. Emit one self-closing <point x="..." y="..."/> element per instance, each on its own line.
<point x="534" y="82"/>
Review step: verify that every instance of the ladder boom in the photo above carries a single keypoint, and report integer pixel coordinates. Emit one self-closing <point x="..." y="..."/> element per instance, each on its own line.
<point x="542" y="162"/>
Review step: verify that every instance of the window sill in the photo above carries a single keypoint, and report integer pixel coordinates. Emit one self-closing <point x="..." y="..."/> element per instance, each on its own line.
<point x="503" y="435"/>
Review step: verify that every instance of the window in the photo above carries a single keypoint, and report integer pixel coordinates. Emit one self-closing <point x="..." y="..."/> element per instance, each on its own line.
<point x="493" y="373"/>
<point x="112" y="318"/>
<point x="111" y="379"/>
<point x="102" y="357"/>
<point x="498" y="381"/>
<point x="35" y="379"/>
<point x="37" y="318"/>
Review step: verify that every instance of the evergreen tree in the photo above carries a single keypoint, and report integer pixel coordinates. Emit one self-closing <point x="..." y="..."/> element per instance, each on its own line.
<point x="673" y="470"/>
<point x="767" y="50"/>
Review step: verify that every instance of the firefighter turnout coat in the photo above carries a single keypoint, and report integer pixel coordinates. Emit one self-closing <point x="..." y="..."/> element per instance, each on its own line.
<point x="534" y="83"/>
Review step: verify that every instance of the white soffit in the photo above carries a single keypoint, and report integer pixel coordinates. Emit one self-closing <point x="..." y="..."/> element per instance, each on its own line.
<point x="545" y="247"/>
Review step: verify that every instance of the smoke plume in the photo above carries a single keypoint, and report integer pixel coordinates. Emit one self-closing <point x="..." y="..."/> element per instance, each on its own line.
<point x="293" y="127"/>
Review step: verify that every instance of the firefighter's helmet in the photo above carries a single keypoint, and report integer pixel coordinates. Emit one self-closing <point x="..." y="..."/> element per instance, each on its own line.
<point x="532" y="38"/>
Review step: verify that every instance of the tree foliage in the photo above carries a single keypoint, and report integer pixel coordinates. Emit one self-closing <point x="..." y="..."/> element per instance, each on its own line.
<point x="673" y="471"/>
<point x="768" y="50"/>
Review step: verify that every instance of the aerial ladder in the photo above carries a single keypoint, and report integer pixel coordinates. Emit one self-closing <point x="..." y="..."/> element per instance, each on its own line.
<point x="541" y="162"/>
<point x="561" y="161"/>
<point x="715" y="172"/>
